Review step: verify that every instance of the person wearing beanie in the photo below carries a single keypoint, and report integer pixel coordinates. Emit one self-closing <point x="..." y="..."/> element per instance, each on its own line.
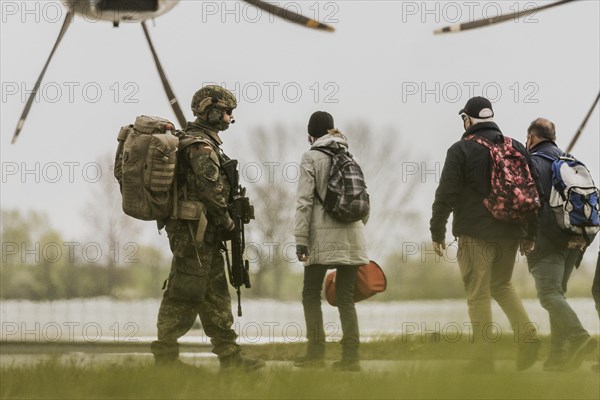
<point x="319" y="124"/>
<point x="487" y="245"/>
<point x="323" y="243"/>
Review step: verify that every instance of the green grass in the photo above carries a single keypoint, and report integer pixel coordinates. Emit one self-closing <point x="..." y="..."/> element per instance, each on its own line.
<point x="429" y="347"/>
<point x="408" y="368"/>
<point x="52" y="380"/>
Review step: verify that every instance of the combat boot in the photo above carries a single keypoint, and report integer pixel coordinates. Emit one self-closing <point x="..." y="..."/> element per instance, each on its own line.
<point x="240" y="361"/>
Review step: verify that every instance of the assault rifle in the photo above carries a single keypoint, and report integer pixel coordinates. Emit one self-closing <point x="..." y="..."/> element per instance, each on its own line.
<point x="241" y="212"/>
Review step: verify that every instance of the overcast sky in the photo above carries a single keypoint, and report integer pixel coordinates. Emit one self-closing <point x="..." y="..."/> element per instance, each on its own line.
<point x="383" y="65"/>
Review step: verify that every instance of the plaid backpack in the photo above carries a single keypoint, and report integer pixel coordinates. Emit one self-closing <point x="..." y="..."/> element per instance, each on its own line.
<point x="513" y="196"/>
<point x="574" y="196"/>
<point x="346" y="199"/>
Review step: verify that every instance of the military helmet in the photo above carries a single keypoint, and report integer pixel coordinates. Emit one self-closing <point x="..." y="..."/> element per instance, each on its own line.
<point x="212" y="95"/>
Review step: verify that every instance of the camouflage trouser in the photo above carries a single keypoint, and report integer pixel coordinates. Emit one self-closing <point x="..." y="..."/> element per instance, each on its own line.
<point x="181" y="302"/>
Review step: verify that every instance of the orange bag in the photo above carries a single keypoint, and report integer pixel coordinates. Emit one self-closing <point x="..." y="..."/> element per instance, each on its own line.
<point x="370" y="280"/>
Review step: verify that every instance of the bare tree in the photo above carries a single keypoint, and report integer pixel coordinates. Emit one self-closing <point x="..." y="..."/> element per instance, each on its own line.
<point x="110" y="228"/>
<point x="385" y="158"/>
<point x="272" y="190"/>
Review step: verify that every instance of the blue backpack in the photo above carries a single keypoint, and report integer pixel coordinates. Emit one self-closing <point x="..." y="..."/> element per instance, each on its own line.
<point x="574" y="196"/>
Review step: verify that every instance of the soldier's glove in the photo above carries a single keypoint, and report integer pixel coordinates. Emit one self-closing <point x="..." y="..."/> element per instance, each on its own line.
<point x="226" y="233"/>
<point x="229" y="226"/>
<point x="302" y="252"/>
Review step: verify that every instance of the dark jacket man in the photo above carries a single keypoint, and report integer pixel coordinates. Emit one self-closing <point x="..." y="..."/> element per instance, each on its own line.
<point x="464" y="183"/>
<point x="555" y="256"/>
<point x="486" y="246"/>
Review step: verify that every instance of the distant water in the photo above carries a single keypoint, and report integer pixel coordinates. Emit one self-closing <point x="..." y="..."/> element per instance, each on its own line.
<point x="263" y="321"/>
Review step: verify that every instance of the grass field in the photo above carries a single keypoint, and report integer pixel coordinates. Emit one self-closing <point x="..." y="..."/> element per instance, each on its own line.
<point x="393" y="368"/>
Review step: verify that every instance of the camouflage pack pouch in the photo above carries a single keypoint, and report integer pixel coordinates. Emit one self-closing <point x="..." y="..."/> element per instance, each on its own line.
<point x="145" y="165"/>
<point x="188" y="280"/>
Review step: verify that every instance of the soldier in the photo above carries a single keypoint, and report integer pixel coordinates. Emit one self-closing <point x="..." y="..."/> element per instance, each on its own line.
<point x="197" y="284"/>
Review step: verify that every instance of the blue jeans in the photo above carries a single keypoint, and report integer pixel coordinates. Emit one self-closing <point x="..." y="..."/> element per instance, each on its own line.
<point x="311" y="300"/>
<point x="551" y="272"/>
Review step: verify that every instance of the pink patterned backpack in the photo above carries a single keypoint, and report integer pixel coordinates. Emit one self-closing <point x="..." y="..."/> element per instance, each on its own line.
<point x="514" y="196"/>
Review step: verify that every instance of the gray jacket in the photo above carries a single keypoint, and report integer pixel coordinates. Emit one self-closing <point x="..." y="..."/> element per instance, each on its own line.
<point x="330" y="242"/>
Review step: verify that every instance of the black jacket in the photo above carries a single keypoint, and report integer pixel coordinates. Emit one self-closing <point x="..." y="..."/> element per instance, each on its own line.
<point x="464" y="183"/>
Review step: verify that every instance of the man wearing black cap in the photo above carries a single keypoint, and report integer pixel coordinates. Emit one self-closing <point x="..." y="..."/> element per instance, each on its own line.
<point x="487" y="245"/>
<point x="323" y="243"/>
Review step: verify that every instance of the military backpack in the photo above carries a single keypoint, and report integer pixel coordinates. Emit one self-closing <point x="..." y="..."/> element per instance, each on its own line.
<point x="146" y="168"/>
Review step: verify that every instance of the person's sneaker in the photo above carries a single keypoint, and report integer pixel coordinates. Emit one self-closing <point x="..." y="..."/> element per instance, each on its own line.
<point x="309" y="362"/>
<point x="553" y="364"/>
<point x="346" y="365"/>
<point x="242" y="362"/>
<point x="482" y="366"/>
<point x="527" y="355"/>
<point x="577" y="351"/>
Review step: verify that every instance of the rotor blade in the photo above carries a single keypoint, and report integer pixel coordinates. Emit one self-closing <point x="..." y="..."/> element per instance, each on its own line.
<point x="170" y="94"/>
<point x="501" y="18"/>
<point x="290" y="16"/>
<point x="582" y="126"/>
<point x="63" y="30"/>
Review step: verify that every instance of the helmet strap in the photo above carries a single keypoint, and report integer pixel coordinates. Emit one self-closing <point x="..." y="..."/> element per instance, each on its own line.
<point x="214" y="116"/>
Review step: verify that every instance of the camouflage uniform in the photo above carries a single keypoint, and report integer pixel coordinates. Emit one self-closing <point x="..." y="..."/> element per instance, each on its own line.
<point x="197" y="284"/>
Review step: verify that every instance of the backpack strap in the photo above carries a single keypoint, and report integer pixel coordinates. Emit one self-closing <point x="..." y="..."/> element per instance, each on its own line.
<point x="487" y="142"/>
<point x="544" y="156"/>
<point x="481" y="140"/>
<point x="330" y="153"/>
<point x="187" y="140"/>
<point x="324" y="150"/>
<point x="557" y="181"/>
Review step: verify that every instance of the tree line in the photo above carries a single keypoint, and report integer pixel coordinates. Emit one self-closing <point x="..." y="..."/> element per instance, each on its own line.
<point x="39" y="263"/>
